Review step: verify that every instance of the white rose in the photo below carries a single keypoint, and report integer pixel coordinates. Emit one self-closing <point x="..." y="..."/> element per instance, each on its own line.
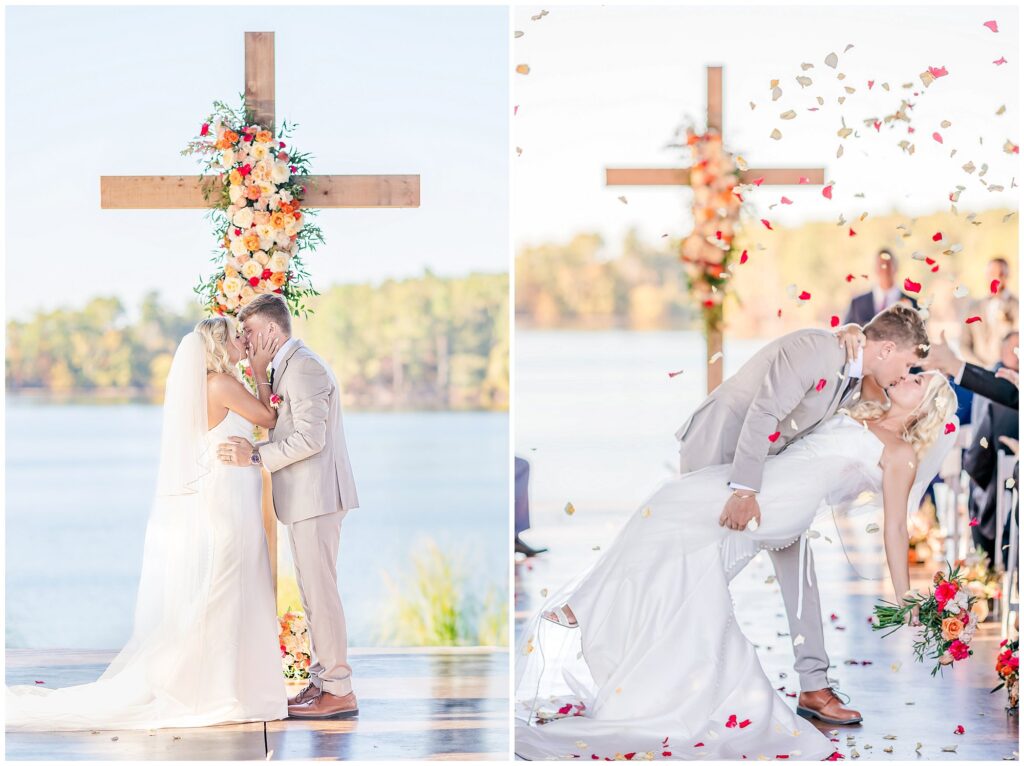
<point x="274" y="201"/>
<point x="278" y="262"/>
<point x="264" y="231"/>
<point x="251" y="269"/>
<point x="286" y="196"/>
<point x="280" y="173"/>
<point x="243" y="218"/>
<point x="233" y="302"/>
<point x="227" y="159"/>
<point x="282" y="239"/>
<point x="258" y="152"/>
<point x="232" y="287"/>
<point x="235" y="193"/>
<point x="292" y="227"/>
<point x="266" y="188"/>
<point x="238" y="247"/>
<point x="266" y="243"/>
<point x="247" y="294"/>
<point x="261" y="258"/>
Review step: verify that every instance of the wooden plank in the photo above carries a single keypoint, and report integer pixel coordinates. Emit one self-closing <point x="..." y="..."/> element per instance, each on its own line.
<point x="784" y="176"/>
<point x="185" y="192"/>
<point x="647" y="176"/>
<point x="715" y="99"/>
<point x="259" y="76"/>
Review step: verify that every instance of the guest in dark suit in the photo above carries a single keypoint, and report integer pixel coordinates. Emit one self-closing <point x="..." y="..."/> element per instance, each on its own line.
<point x="884" y="294"/>
<point x="977" y="379"/>
<point x="980" y="463"/>
<point x="523" y="507"/>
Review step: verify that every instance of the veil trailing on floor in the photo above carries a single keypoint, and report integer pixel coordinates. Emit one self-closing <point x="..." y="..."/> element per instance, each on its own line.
<point x="154" y="677"/>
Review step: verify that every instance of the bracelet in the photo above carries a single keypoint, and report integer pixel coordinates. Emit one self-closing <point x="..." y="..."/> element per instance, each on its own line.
<point x="261" y="384"/>
<point x="743" y="497"/>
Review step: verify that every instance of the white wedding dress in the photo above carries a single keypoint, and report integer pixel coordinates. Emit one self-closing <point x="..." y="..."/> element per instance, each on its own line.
<point x="204" y="648"/>
<point x="658" y="666"/>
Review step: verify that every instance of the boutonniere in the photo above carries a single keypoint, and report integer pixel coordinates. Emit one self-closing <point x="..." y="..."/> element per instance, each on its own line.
<point x="276" y="400"/>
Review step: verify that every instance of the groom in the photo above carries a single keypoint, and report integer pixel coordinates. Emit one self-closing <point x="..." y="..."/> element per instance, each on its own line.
<point x="781" y="394"/>
<point x="313" y="490"/>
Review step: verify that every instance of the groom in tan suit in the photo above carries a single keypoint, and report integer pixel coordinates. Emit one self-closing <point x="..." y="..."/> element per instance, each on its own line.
<point x="313" y="490"/>
<point x="781" y="394"/>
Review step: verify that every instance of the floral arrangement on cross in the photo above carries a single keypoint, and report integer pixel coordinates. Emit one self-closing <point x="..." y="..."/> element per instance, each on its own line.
<point x="709" y="251"/>
<point x="256" y="183"/>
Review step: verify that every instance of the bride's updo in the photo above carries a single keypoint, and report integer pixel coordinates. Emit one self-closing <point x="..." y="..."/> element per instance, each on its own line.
<point x="928" y="420"/>
<point x="216" y="333"/>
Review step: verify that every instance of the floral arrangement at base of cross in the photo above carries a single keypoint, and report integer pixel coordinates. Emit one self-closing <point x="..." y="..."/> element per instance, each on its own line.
<point x="947" y="623"/>
<point x="708" y="252"/>
<point x="255" y="186"/>
<point x="1007" y="667"/>
<point x="294" y="640"/>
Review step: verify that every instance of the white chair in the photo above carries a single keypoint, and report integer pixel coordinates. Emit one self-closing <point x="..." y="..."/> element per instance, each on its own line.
<point x="950" y="496"/>
<point x="1006" y="500"/>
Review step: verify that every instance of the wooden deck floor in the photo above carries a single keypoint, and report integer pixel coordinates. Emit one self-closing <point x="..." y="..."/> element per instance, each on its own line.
<point x="414" y="704"/>
<point x="896" y="696"/>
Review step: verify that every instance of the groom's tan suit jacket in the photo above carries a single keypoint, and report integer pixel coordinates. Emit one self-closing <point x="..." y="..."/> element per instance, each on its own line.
<point x="776" y="390"/>
<point x="307" y="453"/>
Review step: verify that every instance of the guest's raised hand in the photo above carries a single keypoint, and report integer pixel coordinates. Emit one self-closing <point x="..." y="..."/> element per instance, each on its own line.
<point x="1007" y="374"/>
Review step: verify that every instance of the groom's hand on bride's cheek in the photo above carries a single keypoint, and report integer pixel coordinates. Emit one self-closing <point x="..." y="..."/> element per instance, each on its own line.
<point x="237" y="451"/>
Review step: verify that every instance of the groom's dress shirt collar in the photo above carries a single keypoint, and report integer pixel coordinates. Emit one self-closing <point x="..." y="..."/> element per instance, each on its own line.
<point x="856" y="368"/>
<point x="282" y="353"/>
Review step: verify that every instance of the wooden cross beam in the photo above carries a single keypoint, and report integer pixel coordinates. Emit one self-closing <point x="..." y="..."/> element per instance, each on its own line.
<point x="186" y="192"/>
<point x="681" y="177"/>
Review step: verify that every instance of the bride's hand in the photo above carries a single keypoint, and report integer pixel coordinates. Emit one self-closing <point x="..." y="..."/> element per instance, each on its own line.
<point x="739" y="511"/>
<point x="852" y="339"/>
<point x="914" y="618"/>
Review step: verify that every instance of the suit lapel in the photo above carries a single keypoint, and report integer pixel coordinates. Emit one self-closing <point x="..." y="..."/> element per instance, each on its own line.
<point x="279" y="373"/>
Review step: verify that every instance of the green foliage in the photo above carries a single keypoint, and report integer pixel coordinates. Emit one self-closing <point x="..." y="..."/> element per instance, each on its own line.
<point x="431" y="606"/>
<point x="417" y="343"/>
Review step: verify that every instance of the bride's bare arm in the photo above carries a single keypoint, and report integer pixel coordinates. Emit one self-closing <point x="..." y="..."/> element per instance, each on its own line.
<point x="228" y="391"/>
<point x="899" y="467"/>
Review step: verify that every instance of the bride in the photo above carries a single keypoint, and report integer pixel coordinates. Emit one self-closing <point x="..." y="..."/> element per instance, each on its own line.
<point x="642" y="656"/>
<point x="204" y="647"/>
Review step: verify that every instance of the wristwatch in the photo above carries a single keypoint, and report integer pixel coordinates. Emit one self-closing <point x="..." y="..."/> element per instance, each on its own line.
<point x="254" y="458"/>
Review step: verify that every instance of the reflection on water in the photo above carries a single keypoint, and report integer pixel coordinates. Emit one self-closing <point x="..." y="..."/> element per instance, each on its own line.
<point x="80" y="478"/>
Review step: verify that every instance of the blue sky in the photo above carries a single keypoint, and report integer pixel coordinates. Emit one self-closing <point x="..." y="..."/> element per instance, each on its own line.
<point x="97" y="91"/>
<point x="608" y="84"/>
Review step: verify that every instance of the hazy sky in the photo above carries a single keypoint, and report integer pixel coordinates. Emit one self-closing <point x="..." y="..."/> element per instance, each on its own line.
<point x="608" y="85"/>
<point x="97" y="91"/>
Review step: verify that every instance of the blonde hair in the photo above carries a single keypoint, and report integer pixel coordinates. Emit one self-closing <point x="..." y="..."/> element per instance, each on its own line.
<point x="216" y="333"/>
<point x="927" y="421"/>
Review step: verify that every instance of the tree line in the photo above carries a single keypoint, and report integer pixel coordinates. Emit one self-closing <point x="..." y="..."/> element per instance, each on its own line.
<point x="427" y="342"/>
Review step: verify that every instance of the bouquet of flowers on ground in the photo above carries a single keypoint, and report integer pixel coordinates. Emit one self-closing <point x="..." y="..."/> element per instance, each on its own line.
<point x="1006" y="667"/>
<point x="294" y="638"/>
<point x="947" y="624"/>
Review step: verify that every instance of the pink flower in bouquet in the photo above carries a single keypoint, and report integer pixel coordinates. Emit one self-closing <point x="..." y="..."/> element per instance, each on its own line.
<point x="944" y="593"/>
<point x="959" y="650"/>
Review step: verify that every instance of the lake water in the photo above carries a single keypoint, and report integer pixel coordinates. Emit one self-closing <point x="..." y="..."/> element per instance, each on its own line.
<point x="80" y="480"/>
<point x="595" y="413"/>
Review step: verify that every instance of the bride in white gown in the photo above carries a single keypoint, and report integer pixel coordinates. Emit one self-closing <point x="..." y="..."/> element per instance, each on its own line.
<point x="204" y="647"/>
<point x="641" y="657"/>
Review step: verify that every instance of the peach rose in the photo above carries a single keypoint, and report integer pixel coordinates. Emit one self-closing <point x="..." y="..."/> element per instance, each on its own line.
<point x="231" y="136"/>
<point x="952" y="627"/>
<point x="235" y="178"/>
<point x="251" y="242"/>
<point x="253" y="192"/>
<point x="277" y="220"/>
<point x="263" y="136"/>
<point x="278" y="278"/>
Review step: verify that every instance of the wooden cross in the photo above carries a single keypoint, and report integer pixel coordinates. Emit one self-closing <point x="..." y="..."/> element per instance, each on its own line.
<point x="186" y="192"/>
<point x="681" y="177"/>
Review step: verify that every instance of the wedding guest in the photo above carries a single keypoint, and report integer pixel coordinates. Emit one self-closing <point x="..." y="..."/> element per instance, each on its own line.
<point x="523" y="507"/>
<point x="995" y="386"/>
<point x="884" y="294"/>
<point x="980" y="341"/>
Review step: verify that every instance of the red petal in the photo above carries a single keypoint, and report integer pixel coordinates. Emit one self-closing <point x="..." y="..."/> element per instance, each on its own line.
<point x="853" y="233"/>
<point x="959" y="729"/>
<point x="786" y="201"/>
<point x="743" y="257"/>
<point x="878" y="126"/>
<point x="699" y="744"/>
<point x="40" y="682"/>
<point x="834" y="321"/>
<point x="930" y="261"/>
<point x="939" y="71"/>
<point x="731" y="723"/>
<point x="667" y="754"/>
<point x="950" y="428"/>
<point x="871" y="84"/>
<point x="827" y="192"/>
<point x="673" y="374"/>
<point x="718" y="235"/>
<point x="772" y="438"/>
<point x="994" y="287"/>
<point x="805" y="296"/>
<point x="1000" y="61"/>
<point x="937" y="137"/>
<point x="821" y="385"/>
<point x="629" y="756"/>
<point x="758" y="181"/>
<point x="766" y="224"/>
<point x="564" y="710"/>
<point x="991" y="25"/>
<point x="973" y="523"/>
<point x="850" y="277"/>
<point x="833" y="616"/>
<point x="803" y="180"/>
<point x="936" y="236"/>
<point x="911" y="286"/>
<point x="972" y="320"/>
<point x="745" y="723"/>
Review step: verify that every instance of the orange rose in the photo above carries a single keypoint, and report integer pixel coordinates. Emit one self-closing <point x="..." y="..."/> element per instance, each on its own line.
<point x="223" y="143"/>
<point x="952" y="627"/>
<point x="251" y="242"/>
<point x="278" y="278"/>
<point x="252" y="192"/>
<point x="264" y="136"/>
<point x="277" y="220"/>
<point x="235" y="178"/>
<point x="286" y="207"/>
<point x="230" y="136"/>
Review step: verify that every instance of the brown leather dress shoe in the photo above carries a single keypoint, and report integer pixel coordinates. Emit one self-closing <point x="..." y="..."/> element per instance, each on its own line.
<point x="310" y="692"/>
<point x="326" y="705"/>
<point x="825" y="705"/>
